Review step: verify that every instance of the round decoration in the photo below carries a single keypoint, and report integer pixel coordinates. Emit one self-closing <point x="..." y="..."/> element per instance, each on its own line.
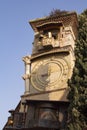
<point x="48" y="73"/>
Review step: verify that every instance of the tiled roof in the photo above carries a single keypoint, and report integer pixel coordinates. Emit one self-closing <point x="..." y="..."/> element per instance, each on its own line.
<point x="66" y="19"/>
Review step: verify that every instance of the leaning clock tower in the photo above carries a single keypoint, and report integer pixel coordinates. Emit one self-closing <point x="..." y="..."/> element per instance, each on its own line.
<point x="44" y="103"/>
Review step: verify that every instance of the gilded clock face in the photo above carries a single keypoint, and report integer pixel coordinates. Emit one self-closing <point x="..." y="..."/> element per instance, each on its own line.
<point x="48" y="74"/>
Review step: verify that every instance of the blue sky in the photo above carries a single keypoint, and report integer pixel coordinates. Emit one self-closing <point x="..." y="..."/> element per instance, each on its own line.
<point x="16" y="37"/>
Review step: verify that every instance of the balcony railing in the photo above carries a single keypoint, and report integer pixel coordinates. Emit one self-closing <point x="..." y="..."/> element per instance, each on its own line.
<point x="16" y="122"/>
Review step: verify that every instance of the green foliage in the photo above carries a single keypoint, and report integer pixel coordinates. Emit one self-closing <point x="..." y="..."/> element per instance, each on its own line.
<point x="57" y="12"/>
<point x="78" y="82"/>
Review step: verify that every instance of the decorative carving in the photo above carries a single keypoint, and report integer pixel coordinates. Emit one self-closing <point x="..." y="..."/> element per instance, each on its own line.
<point x="26" y="76"/>
<point x="27" y="59"/>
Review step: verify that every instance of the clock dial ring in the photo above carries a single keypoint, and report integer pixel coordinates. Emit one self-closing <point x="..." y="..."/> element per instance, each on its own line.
<point x="47" y="73"/>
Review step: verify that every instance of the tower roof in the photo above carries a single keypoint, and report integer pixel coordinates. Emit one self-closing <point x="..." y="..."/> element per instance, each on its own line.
<point x="68" y="19"/>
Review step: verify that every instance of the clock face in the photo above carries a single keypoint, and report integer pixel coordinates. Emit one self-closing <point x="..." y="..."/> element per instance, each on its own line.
<point x="48" y="74"/>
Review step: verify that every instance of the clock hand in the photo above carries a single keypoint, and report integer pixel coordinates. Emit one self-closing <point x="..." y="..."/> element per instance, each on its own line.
<point x="43" y="75"/>
<point x="48" y="74"/>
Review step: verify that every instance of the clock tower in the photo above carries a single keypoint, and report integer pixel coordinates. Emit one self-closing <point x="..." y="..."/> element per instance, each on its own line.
<point x="44" y="103"/>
